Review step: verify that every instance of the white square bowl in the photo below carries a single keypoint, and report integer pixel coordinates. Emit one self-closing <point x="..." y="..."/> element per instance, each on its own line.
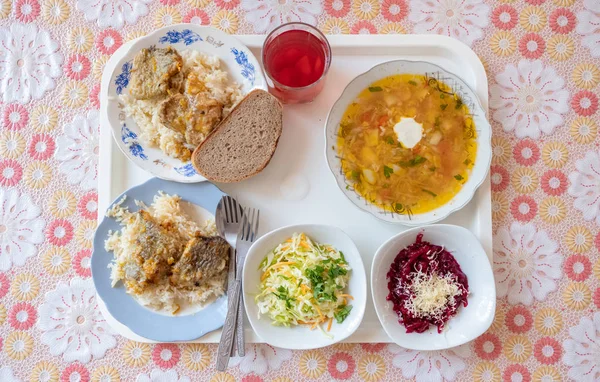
<point x="301" y="337"/>
<point x="470" y="321"/>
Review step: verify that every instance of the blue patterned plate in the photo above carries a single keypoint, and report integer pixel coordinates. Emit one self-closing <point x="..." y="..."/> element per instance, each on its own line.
<point x="239" y="62"/>
<point x="143" y="321"/>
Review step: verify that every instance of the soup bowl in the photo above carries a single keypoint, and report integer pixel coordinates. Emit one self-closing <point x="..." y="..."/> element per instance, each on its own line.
<point x="434" y="75"/>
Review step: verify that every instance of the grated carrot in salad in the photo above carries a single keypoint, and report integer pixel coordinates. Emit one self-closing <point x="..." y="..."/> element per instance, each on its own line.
<point x="303" y="283"/>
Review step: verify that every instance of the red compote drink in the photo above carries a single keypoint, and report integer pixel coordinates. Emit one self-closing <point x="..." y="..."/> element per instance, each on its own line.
<point x="296" y="57"/>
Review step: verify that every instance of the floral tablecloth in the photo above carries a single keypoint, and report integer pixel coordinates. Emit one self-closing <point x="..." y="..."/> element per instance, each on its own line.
<point x="543" y="62"/>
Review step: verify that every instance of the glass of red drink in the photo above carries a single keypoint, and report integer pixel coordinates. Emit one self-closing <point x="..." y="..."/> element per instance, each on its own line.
<point x="296" y="57"/>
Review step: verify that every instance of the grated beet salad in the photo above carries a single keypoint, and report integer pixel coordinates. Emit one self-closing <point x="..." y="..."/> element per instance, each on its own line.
<point x="426" y="286"/>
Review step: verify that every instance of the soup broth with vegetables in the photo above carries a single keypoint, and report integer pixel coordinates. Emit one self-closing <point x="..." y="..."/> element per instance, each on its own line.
<point x="407" y="143"/>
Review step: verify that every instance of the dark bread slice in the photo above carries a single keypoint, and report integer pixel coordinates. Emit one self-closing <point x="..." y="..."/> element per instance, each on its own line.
<point x="244" y="142"/>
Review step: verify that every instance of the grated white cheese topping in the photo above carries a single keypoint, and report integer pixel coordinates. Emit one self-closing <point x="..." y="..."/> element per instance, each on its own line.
<point x="431" y="294"/>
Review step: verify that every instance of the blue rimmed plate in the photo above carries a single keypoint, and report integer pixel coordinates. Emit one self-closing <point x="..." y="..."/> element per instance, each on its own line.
<point x="123" y="307"/>
<point x="238" y="61"/>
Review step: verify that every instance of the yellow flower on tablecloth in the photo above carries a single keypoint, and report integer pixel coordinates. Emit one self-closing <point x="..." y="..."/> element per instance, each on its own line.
<point x="196" y="357"/>
<point x="166" y="16"/>
<point x="486" y="65"/>
<point x="135" y="354"/>
<point x="55" y="260"/>
<point x="12" y="144"/>
<point x="499" y="317"/>
<point x="312" y="364"/>
<point x="546" y="374"/>
<point x="84" y="234"/>
<point x="392" y="28"/>
<point x="25" y="287"/>
<point x="371" y="368"/>
<point x="586" y="76"/>
<point x="503" y="43"/>
<point x="55" y="11"/>
<point x="564" y="3"/>
<point x="560" y="47"/>
<point x="37" y="174"/>
<point x="226" y="21"/>
<point x="80" y="39"/>
<point x="282" y="379"/>
<point x="499" y="205"/>
<point x="334" y="25"/>
<point x="222" y="377"/>
<point x="552" y="210"/>
<point x="344" y="346"/>
<point x="44" y="371"/>
<point x="62" y="204"/>
<point x="198" y="3"/>
<point x="5" y="6"/>
<point x="501" y="150"/>
<point x="18" y="345"/>
<point x="577" y="296"/>
<point x="533" y="19"/>
<point x="524" y="180"/>
<point x="596" y="269"/>
<point x="486" y="372"/>
<point x="2" y="314"/>
<point x="106" y="374"/>
<point x="74" y="94"/>
<point x="548" y="321"/>
<point x="517" y="348"/>
<point x="43" y="118"/>
<point x="584" y="130"/>
<point x="365" y="9"/>
<point x="134" y="34"/>
<point x="578" y="239"/>
<point x="98" y="66"/>
<point x="555" y="154"/>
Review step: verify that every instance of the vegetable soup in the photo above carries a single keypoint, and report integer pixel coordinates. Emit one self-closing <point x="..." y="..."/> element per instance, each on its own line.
<point x="407" y="143"/>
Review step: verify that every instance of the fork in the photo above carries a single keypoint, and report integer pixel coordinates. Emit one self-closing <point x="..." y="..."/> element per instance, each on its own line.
<point x="228" y="217"/>
<point x="246" y="235"/>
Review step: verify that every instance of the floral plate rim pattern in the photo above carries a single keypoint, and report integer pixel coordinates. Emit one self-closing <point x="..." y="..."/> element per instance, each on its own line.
<point x="239" y="62"/>
<point x="435" y="72"/>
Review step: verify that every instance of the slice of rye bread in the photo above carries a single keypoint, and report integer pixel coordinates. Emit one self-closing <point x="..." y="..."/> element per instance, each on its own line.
<point x="244" y="142"/>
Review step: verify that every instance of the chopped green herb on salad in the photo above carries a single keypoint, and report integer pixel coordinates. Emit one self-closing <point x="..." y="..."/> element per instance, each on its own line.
<point x="303" y="283"/>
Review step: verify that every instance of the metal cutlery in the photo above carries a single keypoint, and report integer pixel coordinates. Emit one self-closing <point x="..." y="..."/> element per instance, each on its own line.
<point x="246" y="236"/>
<point x="228" y="217"/>
<point x="232" y="219"/>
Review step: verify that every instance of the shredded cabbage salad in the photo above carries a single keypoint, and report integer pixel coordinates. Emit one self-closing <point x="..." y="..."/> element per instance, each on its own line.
<point x="303" y="283"/>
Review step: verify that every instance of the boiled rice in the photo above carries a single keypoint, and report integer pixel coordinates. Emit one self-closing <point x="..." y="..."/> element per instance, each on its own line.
<point x="162" y="296"/>
<point x="145" y="113"/>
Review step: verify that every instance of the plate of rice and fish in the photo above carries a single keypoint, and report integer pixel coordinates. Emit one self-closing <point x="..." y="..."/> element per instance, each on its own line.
<point x="158" y="263"/>
<point x="171" y="89"/>
<point x="408" y="142"/>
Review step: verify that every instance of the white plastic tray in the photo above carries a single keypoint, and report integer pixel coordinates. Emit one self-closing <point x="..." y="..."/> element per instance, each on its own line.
<point x="300" y="159"/>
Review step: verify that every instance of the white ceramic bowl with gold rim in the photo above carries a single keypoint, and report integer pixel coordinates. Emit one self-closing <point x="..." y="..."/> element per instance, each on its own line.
<point x="435" y="73"/>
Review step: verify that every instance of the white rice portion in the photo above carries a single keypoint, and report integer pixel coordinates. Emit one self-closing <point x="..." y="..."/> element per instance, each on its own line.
<point x="163" y="297"/>
<point x="212" y="73"/>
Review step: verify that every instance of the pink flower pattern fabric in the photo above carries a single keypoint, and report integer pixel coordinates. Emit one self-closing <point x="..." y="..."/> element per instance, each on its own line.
<point x="542" y="59"/>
